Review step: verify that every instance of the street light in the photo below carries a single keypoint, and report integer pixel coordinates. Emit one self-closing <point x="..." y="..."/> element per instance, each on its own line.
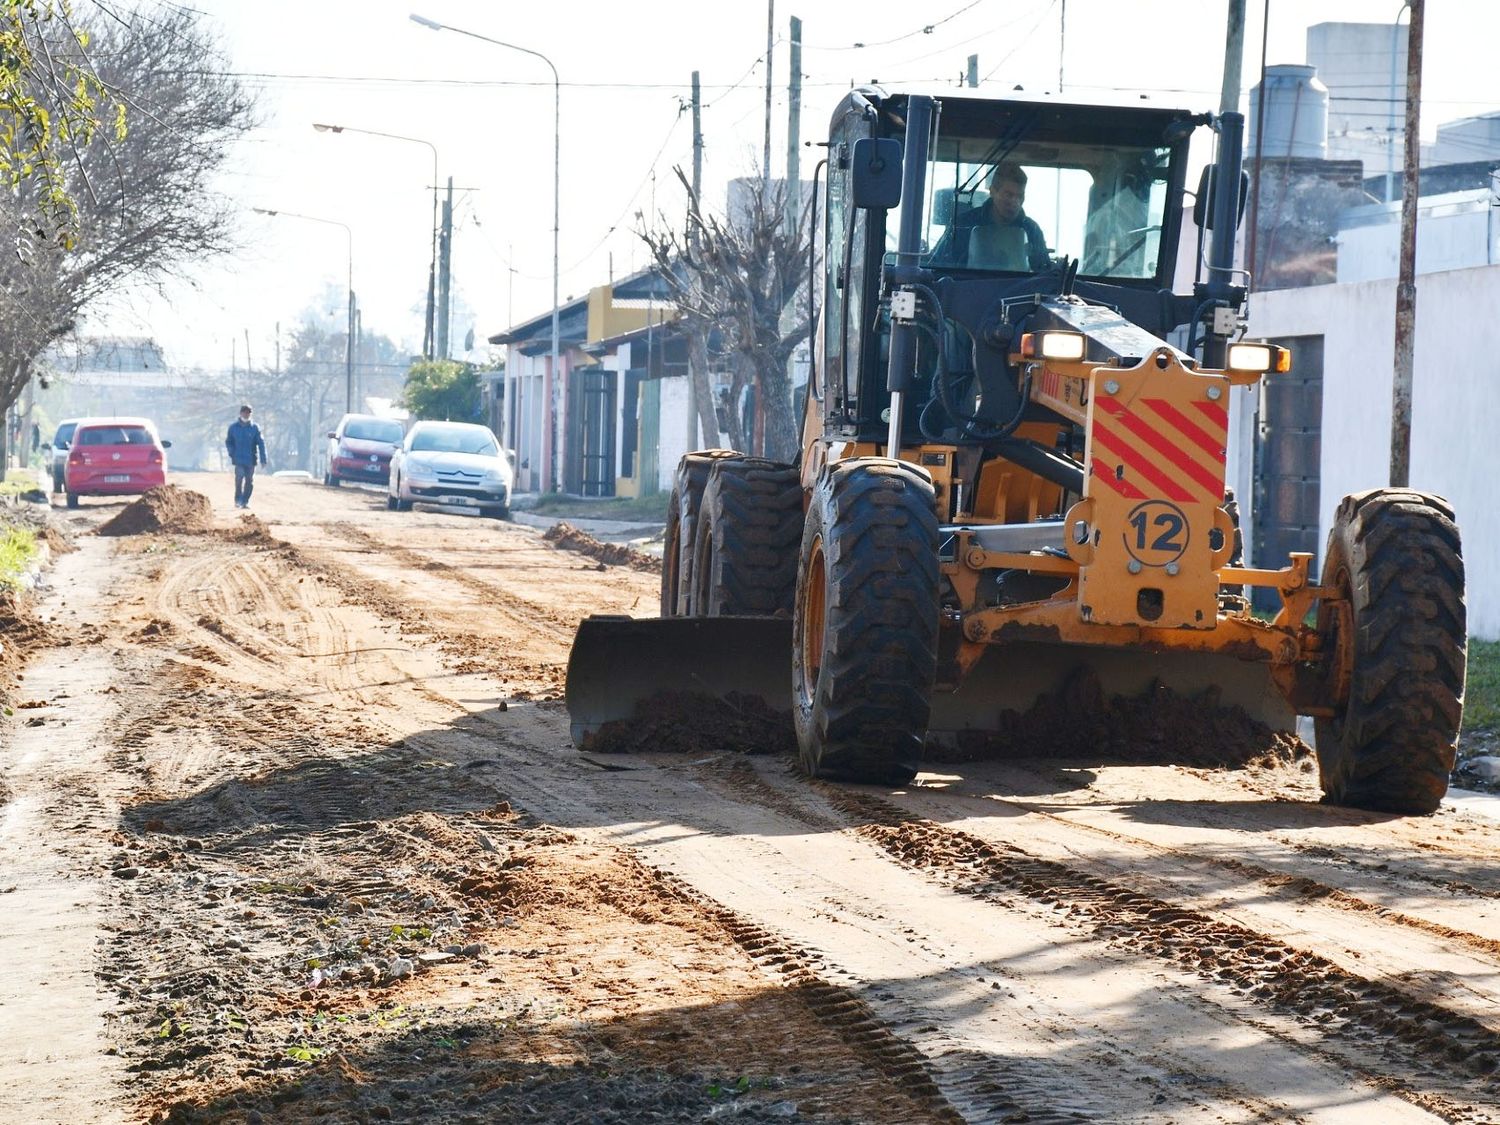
<point x="349" y="343"/>
<point x="430" y="338"/>
<point x="548" y="385"/>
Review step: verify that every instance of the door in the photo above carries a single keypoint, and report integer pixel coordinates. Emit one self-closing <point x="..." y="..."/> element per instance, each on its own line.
<point x="650" y="437"/>
<point x="591" y="412"/>
<point x="1288" y="450"/>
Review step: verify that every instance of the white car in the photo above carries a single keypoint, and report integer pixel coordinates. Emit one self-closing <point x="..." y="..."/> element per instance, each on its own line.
<point x="456" y="463"/>
<point x="57" y="451"/>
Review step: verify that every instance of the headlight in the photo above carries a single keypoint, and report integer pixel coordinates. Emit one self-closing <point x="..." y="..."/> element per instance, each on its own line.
<point x="421" y="470"/>
<point x="1052" y="345"/>
<point x="1258" y="358"/>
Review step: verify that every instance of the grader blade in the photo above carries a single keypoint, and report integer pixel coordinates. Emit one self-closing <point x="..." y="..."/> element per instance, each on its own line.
<point x="618" y="663"/>
<point x="1012" y="677"/>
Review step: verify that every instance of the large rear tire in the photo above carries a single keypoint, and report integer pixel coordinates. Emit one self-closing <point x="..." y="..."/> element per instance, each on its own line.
<point x="1397" y="642"/>
<point x="746" y="546"/>
<point x="682" y="529"/>
<point x="865" y="631"/>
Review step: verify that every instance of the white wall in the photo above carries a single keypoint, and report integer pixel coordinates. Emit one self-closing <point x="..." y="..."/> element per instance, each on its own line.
<point x="1456" y="231"/>
<point x="1455" y="401"/>
<point x="678" y="428"/>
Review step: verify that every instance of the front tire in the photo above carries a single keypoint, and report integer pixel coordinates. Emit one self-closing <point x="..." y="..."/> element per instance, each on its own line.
<point x="682" y="529"/>
<point x="72" y="499"/>
<point x="865" y="633"/>
<point x="1397" y="639"/>
<point x="746" y="549"/>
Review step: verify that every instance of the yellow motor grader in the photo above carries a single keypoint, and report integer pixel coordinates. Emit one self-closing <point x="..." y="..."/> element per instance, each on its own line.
<point x="1008" y="472"/>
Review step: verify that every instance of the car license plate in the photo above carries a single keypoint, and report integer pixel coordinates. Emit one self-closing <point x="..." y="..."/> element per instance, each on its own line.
<point x="465" y="500"/>
<point x="117" y="478"/>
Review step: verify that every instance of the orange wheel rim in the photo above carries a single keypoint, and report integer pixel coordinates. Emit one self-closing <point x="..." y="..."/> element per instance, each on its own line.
<point x="814" y="612"/>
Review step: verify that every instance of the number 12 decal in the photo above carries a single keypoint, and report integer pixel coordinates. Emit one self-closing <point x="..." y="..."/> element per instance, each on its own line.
<point x="1158" y="533"/>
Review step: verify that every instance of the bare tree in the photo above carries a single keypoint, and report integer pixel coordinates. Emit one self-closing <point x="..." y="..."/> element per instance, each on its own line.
<point x="144" y="207"/>
<point x="741" y="274"/>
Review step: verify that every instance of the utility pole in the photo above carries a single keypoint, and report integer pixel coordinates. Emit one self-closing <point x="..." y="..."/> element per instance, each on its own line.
<point x="349" y="358"/>
<point x="1234" y="54"/>
<point x="1406" y="282"/>
<point x="444" y="279"/>
<point x="794" y="130"/>
<point x="359" y="332"/>
<point x="765" y="172"/>
<point x="697" y="141"/>
<point x="972" y="79"/>
<point x="1062" y="42"/>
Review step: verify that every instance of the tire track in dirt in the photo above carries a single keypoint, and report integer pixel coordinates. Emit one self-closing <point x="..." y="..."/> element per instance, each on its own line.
<point x="523" y="611"/>
<point x="1443" y="964"/>
<point x="1343" y="1009"/>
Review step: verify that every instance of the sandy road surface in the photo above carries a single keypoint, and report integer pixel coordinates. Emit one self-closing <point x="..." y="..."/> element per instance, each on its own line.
<point x="296" y="815"/>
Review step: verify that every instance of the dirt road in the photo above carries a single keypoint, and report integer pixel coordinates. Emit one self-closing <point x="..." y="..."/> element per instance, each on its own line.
<point x="293" y="832"/>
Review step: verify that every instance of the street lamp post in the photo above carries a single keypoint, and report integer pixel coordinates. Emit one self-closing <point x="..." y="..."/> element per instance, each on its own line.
<point x="349" y="342"/>
<point x="429" y="338"/>
<point x="548" y="380"/>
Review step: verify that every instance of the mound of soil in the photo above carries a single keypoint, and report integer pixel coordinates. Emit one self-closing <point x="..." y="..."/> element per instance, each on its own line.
<point x="252" y="532"/>
<point x="689" y="722"/>
<point x="1080" y="721"/>
<point x="20" y="631"/>
<point x="569" y="538"/>
<point x="168" y="508"/>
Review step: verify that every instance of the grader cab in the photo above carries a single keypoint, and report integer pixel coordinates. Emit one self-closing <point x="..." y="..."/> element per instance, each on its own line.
<point x="1009" y="472"/>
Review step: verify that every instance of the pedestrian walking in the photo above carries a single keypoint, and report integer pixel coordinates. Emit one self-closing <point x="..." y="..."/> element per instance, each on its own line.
<point x="245" y="446"/>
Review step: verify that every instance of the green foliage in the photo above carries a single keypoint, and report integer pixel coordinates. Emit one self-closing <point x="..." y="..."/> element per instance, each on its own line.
<point x="17" y="549"/>
<point x="1482" y="692"/>
<point x="442" y="389"/>
<point x="51" y="105"/>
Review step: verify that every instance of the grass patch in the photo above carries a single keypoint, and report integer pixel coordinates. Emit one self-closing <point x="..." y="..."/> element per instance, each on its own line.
<point x="1482" y="692"/>
<point x="16" y="481"/>
<point x="17" y="549"/>
<point x="639" y="509"/>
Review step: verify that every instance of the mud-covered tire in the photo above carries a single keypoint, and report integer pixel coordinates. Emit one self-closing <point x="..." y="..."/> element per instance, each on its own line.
<point x="1401" y="637"/>
<point x="682" y="528"/>
<point x="865" y="631"/>
<point x="746" y="545"/>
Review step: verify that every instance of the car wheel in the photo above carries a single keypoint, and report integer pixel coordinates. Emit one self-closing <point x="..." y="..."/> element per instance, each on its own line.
<point x="334" y="480"/>
<point x="57" y="481"/>
<point x="72" y="499"/>
<point x="390" y="503"/>
<point x="500" y="513"/>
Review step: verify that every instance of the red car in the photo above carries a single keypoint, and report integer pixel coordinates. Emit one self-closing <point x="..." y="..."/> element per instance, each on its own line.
<point x="114" y="457"/>
<point x="360" y="449"/>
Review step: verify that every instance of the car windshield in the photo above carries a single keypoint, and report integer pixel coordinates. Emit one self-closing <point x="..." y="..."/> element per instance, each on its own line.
<point x="115" y="435"/>
<point x="373" y="429"/>
<point x="993" y="205"/>
<point x="64" y="433"/>
<point x="454" y="439"/>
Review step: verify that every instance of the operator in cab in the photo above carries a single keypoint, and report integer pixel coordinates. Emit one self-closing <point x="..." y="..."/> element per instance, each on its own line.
<point x="998" y="234"/>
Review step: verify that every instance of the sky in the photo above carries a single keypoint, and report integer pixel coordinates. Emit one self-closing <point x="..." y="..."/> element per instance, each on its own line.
<point x="625" y="72"/>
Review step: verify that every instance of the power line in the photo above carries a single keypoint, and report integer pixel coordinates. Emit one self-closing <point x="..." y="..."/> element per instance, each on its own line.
<point x="925" y="29"/>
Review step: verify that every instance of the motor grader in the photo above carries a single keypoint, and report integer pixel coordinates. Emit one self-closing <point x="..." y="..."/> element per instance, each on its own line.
<point x="1010" y="472"/>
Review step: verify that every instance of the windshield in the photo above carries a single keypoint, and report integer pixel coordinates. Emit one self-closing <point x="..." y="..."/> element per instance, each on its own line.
<point x="115" y="435"/>
<point x="64" y="433"/>
<point x="454" y="439"/>
<point x="374" y="429"/>
<point x="1005" y="205"/>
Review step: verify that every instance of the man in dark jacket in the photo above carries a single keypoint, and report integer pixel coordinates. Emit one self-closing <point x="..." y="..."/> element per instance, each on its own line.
<point x="244" y="444"/>
<point x="998" y="234"/>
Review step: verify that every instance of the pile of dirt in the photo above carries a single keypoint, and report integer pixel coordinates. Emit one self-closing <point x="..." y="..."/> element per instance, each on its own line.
<point x="21" y="630"/>
<point x="569" y="538"/>
<point x="167" y="508"/>
<point x="689" y="722"/>
<point x="1080" y="721"/>
<point x="252" y="533"/>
